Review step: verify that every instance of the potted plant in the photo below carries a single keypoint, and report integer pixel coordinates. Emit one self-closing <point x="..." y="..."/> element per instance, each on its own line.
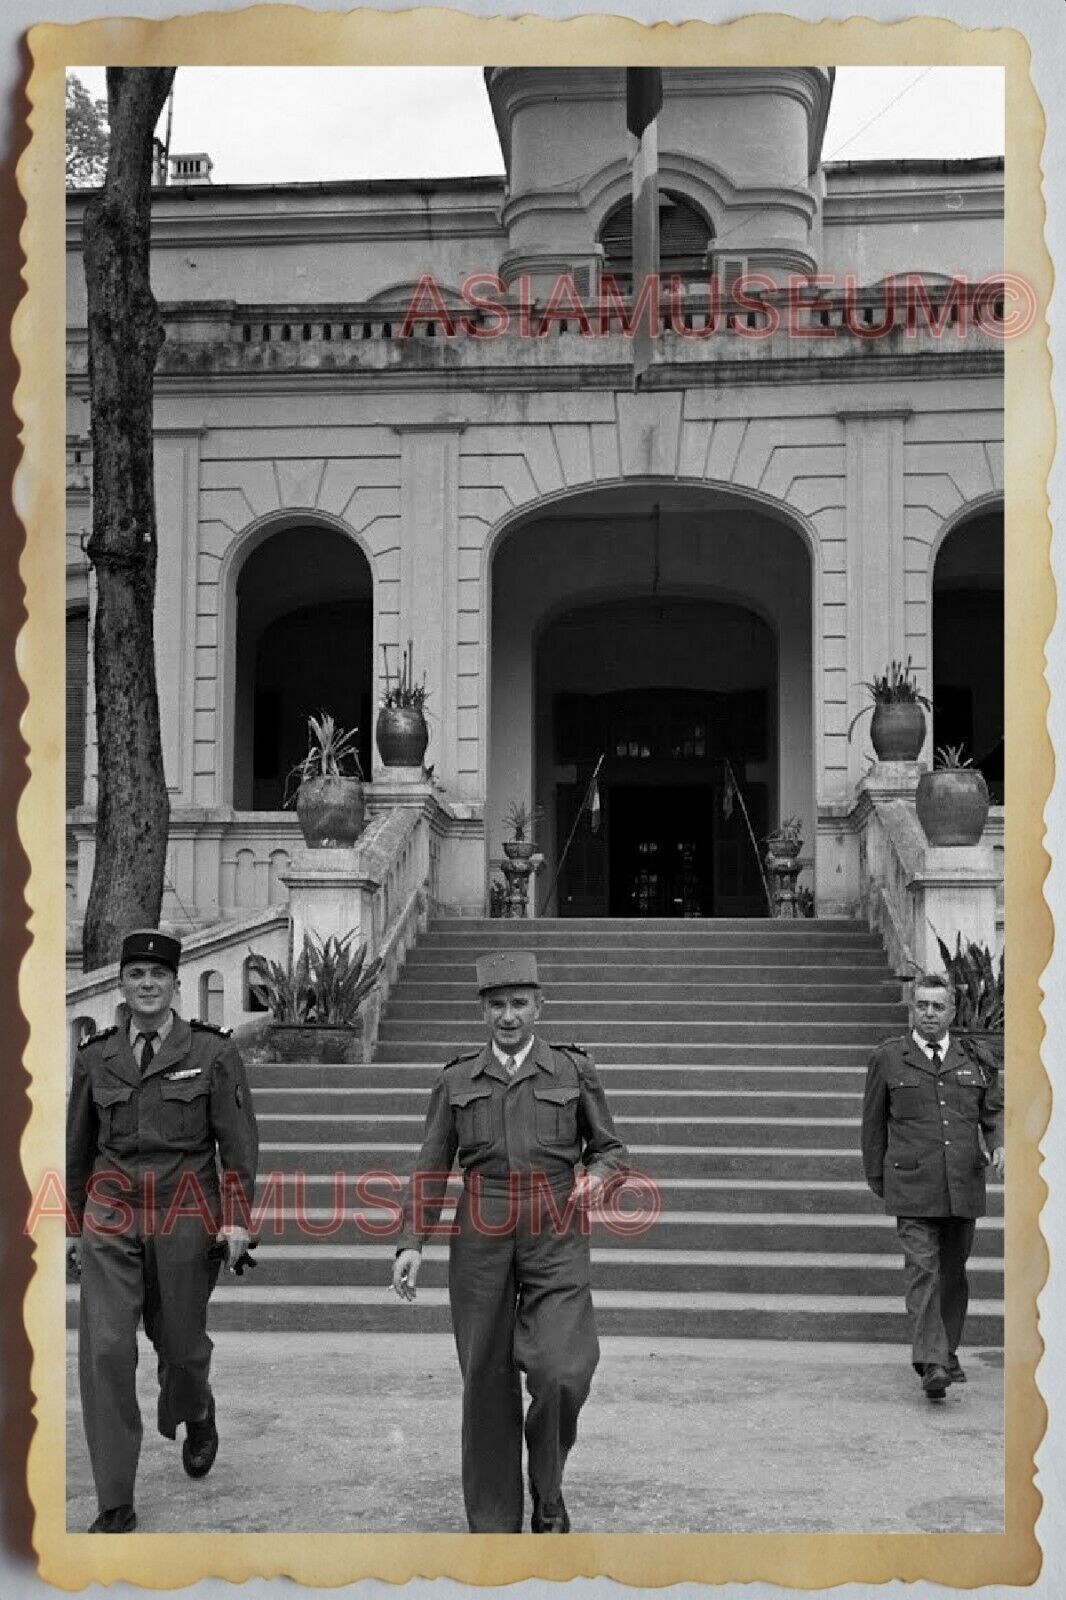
<point x="329" y="797"/>
<point x="316" y="1004"/>
<point x="952" y="800"/>
<point x="521" y="822"/>
<point x="897" y="728"/>
<point x="786" y="839"/>
<point x="980" y="996"/>
<point x="402" y="734"/>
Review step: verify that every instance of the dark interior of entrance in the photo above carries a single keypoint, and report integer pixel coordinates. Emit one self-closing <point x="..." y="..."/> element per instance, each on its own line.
<point x="678" y="809"/>
<point x="968" y="645"/>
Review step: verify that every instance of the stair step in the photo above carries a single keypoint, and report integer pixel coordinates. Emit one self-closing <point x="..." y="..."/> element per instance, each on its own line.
<point x="654" y="1132"/>
<point x="419" y="1076"/>
<point x="508" y="931"/>
<point x="656" y="962"/>
<point x="363" y="1102"/>
<point x="351" y="1309"/>
<point x="705" y="1054"/>
<point x="714" y="983"/>
<point x="670" y="1012"/>
<point x="655" y="1031"/>
<point x="847" y="1234"/>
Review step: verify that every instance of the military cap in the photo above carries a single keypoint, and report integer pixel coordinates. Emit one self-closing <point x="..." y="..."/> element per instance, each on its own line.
<point x="148" y="944"/>
<point x="505" y="969"/>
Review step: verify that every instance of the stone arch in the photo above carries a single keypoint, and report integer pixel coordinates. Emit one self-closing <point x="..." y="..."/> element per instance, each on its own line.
<point x="966" y="607"/>
<point x="244" y="548"/>
<point x="694" y="498"/>
<point x="212" y="998"/>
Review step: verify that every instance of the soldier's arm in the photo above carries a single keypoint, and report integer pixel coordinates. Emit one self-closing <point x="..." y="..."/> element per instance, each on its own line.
<point x="83" y="1128"/>
<point x="604" y="1155"/>
<point x="236" y="1132"/>
<point x="875" y="1126"/>
<point x="425" y="1190"/>
<point x="992" y="1113"/>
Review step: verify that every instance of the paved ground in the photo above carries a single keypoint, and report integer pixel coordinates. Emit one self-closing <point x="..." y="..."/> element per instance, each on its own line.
<point x="328" y="1432"/>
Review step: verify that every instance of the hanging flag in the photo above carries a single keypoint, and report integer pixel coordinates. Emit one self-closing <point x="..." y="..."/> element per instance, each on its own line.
<point x="594" y="807"/>
<point x="644" y="99"/>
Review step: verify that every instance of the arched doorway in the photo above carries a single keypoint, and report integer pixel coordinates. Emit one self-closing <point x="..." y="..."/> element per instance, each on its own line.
<point x="304" y="643"/>
<point x="669" y="628"/>
<point x="968" y="644"/>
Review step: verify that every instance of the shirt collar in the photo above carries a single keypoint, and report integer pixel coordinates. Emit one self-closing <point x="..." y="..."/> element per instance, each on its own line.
<point x="518" y="1060"/>
<point x="161" y="1032"/>
<point x="926" y="1045"/>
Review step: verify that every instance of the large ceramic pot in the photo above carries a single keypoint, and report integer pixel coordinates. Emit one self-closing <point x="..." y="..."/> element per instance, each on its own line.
<point x="518" y="849"/>
<point x="897" y="730"/>
<point x="952" y="805"/>
<point x="402" y="736"/>
<point x="331" y="811"/>
<point x="314" y="1042"/>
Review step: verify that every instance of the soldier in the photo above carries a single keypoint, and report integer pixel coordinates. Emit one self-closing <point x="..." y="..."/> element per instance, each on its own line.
<point x="153" y="1101"/>
<point x="929" y="1099"/>
<point x="522" y="1115"/>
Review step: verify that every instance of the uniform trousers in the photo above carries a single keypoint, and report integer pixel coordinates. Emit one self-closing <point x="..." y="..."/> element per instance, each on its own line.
<point x="167" y="1279"/>
<point x="521" y="1302"/>
<point x="935" y="1251"/>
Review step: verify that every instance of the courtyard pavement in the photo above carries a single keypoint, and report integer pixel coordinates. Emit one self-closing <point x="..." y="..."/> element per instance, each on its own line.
<point x="360" y="1434"/>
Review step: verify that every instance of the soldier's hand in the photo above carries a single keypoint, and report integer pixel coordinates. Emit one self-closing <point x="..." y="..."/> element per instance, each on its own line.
<point x="405" y="1273"/>
<point x="236" y="1241"/>
<point x="74" y="1256"/>
<point x="999" y="1161"/>
<point x="587" y="1188"/>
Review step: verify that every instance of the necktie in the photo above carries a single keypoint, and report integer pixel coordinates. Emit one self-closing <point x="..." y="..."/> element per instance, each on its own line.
<point x="512" y="1067"/>
<point x="934" y="1054"/>
<point x="149" y="1049"/>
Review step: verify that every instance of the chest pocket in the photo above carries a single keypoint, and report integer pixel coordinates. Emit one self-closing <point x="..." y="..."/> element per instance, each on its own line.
<point x="116" y="1108"/>
<point x="905" y="1100"/>
<point x="472" y="1108"/>
<point x="185" y="1108"/>
<point x="556" y="1113"/>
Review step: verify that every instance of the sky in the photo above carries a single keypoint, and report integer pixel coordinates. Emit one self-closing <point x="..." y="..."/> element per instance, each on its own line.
<point x="430" y="122"/>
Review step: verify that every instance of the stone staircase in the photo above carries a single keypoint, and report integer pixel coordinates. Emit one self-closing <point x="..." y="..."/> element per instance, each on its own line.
<point x="733" y="1053"/>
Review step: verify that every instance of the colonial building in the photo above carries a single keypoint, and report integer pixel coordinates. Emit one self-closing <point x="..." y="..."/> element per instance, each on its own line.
<point x="404" y="410"/>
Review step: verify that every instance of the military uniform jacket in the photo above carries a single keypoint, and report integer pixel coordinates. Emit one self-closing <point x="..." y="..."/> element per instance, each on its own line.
<point x="546" y="1119"/>
<point x="920" y="1125"/>
<point x="192" y="1101"/>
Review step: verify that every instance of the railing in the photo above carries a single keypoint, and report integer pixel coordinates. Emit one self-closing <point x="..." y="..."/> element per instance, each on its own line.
<point x="213" y="983"/>
<point x="913" y="894"/>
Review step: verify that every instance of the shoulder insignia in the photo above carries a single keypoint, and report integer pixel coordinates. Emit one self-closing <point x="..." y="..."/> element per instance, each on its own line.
<point x="572" y="1050"/>
<point x="469" y="1055"/>
<point x="209" y="1027"/>
<point x="93" y="1038"/>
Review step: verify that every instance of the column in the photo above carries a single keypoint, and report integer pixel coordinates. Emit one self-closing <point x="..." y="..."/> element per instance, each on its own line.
<point x="177" y="480"/>
<point x="429" y="538"/>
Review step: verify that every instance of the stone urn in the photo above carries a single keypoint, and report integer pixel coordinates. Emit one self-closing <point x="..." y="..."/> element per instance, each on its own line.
<point x="952" y="805"/>
<point x="402" y="736"/>
<point x="331" y="811"/>
<point x="897" y="730"/>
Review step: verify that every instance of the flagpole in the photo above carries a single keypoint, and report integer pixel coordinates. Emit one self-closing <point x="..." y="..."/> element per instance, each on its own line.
<point x="644" y="99"/>
<point x="735" y="789"/>
<point x="566" y="848"/>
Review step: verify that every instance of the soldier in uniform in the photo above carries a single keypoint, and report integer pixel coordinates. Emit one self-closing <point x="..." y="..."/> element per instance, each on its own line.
<point x="536" y="1145"/>
<point x="157" y="1106"/>
<point x="930" y="1101"/>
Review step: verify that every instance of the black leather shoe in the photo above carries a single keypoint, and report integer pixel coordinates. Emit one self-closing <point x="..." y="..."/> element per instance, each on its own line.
<point x="955" y="1372"/>
<point x="935" y="1380"/>
<point x="116" y="1519"/>
<point x="550" y="1519"/>
<point x="201" y="1444"/>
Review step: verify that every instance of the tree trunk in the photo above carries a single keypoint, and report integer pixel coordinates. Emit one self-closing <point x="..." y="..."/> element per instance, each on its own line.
<point x="125" y="337"/>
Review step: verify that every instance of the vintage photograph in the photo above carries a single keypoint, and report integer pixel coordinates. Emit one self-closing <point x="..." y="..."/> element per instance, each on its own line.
<point x="484" y="879"/>
<point x="539" y="650"/>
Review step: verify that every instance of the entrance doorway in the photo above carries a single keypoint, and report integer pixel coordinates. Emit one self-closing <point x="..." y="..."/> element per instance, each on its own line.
<point x="661" y="852"/>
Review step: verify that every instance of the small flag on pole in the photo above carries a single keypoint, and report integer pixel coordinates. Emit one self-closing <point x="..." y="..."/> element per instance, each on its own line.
<point x="644" y="99"/>
<point x="594" y="807"/>
<point x="727" y="796"/>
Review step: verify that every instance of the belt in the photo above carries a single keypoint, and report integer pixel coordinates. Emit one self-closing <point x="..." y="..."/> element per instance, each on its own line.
<point x="518" y="1182"/>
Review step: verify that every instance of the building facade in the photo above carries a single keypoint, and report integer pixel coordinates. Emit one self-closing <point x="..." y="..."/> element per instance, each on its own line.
<point x="404" y="411"/>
